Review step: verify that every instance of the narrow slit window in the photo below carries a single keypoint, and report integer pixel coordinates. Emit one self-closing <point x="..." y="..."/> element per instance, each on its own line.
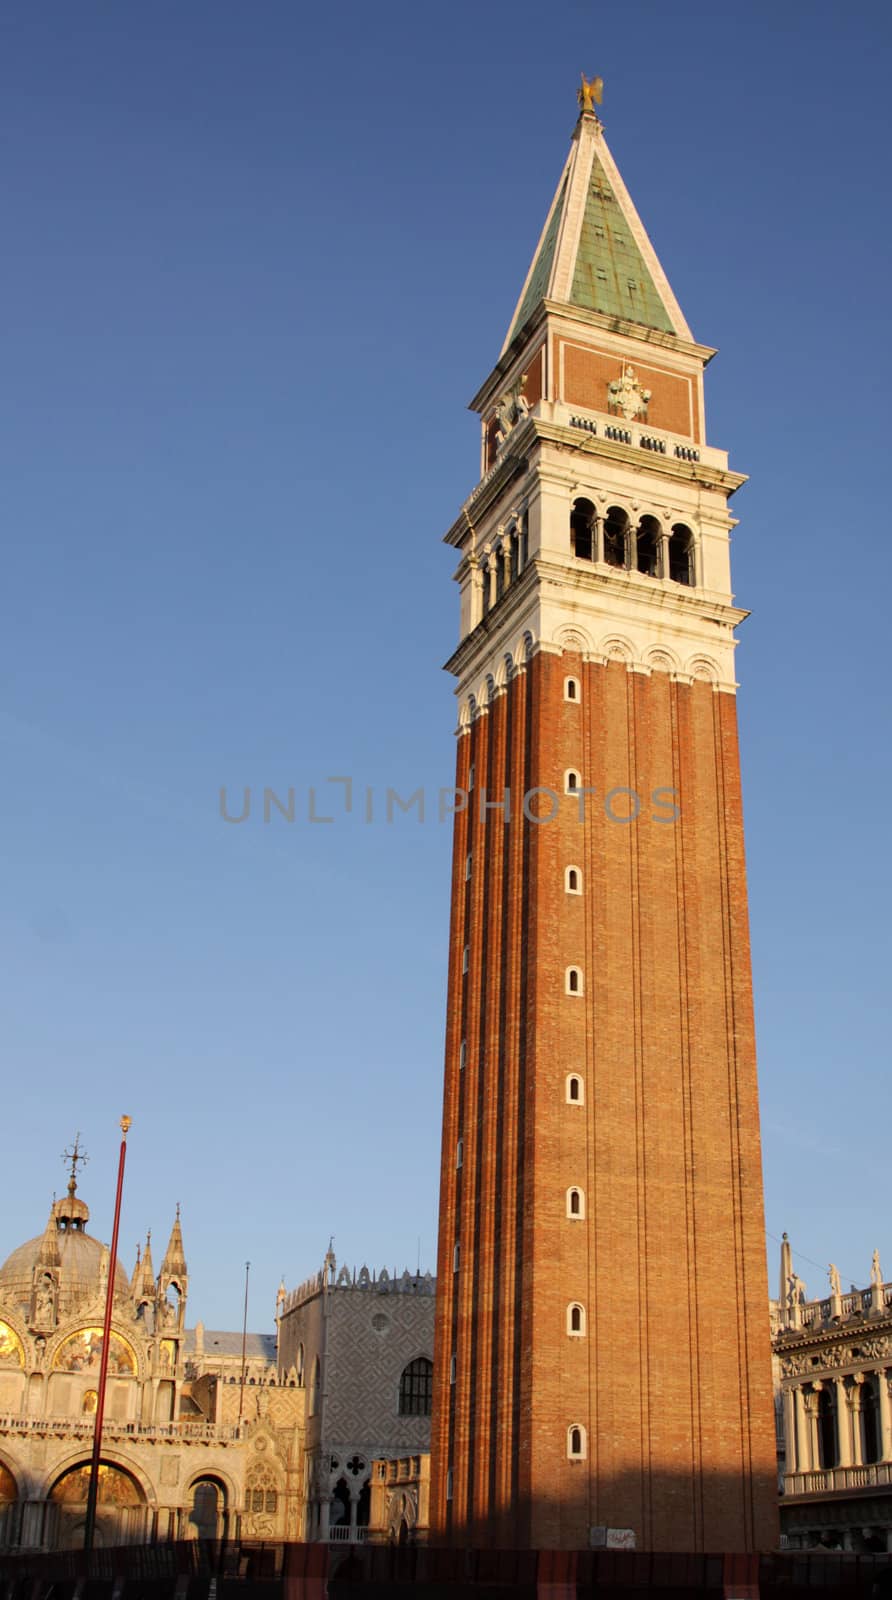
<point x="571" y="689"/>
<point x="575" y="1089"/>
<point x="576" y="1320"/>
<point x="576" y="1442"/>
<point x="575" y="1204"/>
<point x="573" y="880"/>
<point x="574" y="980"/>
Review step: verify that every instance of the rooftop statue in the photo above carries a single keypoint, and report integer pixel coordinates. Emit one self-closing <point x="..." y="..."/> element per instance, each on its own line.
<point x="591" y="93"/>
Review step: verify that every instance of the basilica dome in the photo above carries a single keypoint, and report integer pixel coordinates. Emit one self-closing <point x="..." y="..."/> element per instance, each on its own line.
<point x="65" y="1249"/>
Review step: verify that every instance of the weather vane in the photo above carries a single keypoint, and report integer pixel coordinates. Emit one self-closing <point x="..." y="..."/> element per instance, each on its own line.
<point x="75" y="1155"/>
<point x="591" y="92"/>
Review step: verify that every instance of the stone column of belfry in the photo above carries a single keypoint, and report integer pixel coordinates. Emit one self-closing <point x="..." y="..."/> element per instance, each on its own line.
<point x="653" y="1413"/>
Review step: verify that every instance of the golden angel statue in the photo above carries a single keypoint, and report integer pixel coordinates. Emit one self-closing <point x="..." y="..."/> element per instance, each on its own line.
<point x="591" y="93"/>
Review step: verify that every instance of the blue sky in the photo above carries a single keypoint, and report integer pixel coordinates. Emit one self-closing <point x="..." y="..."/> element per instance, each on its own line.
<point x="256" y="260"/>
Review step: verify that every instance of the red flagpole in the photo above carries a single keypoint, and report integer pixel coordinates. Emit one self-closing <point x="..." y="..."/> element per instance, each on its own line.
<point x="93" y="1490"/>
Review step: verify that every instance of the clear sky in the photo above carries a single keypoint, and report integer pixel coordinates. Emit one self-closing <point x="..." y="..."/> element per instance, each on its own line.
<point x="256" y="259"/>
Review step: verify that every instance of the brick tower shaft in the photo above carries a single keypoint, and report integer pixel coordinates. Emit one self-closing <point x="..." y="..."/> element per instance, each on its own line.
<point x="602" y="1369"/>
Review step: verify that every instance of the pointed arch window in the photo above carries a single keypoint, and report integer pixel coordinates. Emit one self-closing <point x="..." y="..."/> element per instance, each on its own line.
<point x="314" y="1388"/>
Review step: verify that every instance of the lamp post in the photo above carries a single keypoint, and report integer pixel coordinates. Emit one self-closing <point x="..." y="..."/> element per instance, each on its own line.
<point x="241" y="1398"/>
<point x="93" y="1490"/>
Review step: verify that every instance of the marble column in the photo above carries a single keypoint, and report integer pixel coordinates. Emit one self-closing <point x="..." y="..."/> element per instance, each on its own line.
<point x="664" y="553"/>
<point x="476" y="595"/>
<point x="855" y="1407"/>
<point x="598" y="538"/>
<point x="789" y="1431"/>
<point x="810" y="1404"/>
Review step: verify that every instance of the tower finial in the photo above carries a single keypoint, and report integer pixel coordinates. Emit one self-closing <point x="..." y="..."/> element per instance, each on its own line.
<point x="76" y="1156"/>
<point x="590" y="93"/>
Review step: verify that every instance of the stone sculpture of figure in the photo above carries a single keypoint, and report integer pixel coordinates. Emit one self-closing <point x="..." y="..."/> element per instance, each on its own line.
<point x="797" y="1290"/>
<point x="511" y="409"/>
<point x="833" y="1274"/>
<point x="44" y="1302"/>
<point x="876" y="1275"/>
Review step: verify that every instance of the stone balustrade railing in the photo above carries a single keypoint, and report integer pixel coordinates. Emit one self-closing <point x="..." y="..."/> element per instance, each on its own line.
<point x="82" y="1428"/>
<point x="828" y="1479"/>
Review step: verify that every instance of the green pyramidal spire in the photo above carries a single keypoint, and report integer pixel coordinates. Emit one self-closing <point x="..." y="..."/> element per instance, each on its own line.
<point x="594" y="252"/>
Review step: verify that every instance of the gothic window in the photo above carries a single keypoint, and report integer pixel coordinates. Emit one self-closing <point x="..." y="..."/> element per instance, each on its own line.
<point x="647" y="558"/>
<point x="575" y="1204"/>
<point x="300" y="1366"/>
<point x="416" y="1388"/>
<point x="314" y="1388"/>
<point x="572" y="782"/>
<point x="573" y="880"/>
<point x="574" y="980"/>
<point x="571" y="688"/>
<point x="576" y="1320"/>
<point x="681" y="554"/>
<point x="576" y="1442"/>
<point x="582" y="522"/>
<point x="615" y="525"/>
<point x="575" y="1089"/>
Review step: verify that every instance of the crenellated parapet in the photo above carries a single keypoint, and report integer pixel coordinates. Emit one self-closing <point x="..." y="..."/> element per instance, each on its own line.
<point x="337" y="1278"/>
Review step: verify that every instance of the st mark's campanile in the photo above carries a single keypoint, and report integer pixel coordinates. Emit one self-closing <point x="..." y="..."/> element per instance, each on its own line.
<point x="602" y="1366"/>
